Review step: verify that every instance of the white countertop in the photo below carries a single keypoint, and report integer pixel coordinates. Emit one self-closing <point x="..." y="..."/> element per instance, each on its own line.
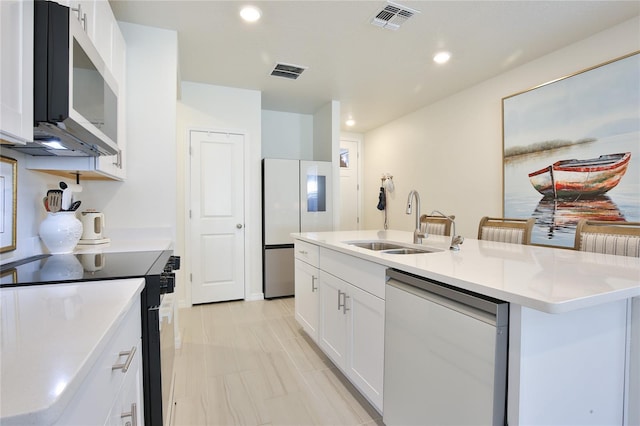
<point x="542" y="278"/>
<point x="51" y="337"/>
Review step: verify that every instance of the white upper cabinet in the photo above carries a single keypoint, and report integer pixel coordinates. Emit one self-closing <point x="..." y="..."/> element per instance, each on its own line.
<point x="83" y="10"/>
<point x="103" y="30"/>
<point x="98" y="22"/>
<point x="16" y="82"/>
<point x="114" y="165"/>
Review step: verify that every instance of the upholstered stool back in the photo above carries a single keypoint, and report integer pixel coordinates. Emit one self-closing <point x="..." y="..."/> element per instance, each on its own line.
<point x="436" y="225"/>
<point x="619" y="238"/>
<point x="515" y="231"/>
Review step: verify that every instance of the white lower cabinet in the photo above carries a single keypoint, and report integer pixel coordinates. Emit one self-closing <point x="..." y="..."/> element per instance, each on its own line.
<point x="306" y="291"/>
<point x="365" y="359"/>
<point x="114" y="383"/>
<point x="345" y="315"/>
<point x="333" y="318"/>
<point x="352" y="334"/>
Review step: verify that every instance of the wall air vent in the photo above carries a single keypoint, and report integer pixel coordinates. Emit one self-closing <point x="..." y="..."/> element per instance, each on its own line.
<point x="392" y="16"/>
<point x="287" y="70"/>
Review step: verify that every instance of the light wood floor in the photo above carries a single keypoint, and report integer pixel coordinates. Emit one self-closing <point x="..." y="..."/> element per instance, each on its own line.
<point x="249" y="363"/>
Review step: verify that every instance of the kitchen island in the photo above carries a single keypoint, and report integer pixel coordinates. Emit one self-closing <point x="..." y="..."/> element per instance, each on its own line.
<point x="574" y="333"/>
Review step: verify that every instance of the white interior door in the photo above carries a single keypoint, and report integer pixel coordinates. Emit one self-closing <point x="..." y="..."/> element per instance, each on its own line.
<point x="217" y="216"/>
<point x="349" y="186"/>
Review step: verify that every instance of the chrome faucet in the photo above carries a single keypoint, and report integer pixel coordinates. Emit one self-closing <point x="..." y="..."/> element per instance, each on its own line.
<point x="456" y="240"/>
<point x="418" y="235"/>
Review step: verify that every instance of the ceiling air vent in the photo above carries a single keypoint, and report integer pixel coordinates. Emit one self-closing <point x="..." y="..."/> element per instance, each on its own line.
<point x="392" y="16"/>
<point x="288" y="70"/>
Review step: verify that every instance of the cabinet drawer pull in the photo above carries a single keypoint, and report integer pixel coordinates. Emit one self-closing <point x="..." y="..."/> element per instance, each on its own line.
<point x="303" y="252"/>
<point x="133" y="414"/>
<point x="125" y="366"/>
<point x="314" y="288"/>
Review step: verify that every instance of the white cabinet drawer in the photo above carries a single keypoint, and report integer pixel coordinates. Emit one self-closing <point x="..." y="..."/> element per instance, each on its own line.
<point x="128" y="409"/>
<point x="95" y="397"/>
<point x="306" y="252"/>
<point x="363" y="274"/>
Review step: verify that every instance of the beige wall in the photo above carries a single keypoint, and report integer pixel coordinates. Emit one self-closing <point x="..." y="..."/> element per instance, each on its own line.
<point x="451" y="151"/>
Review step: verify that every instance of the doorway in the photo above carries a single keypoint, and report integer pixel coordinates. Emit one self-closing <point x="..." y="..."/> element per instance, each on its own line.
<point x="349" y="185"/>
<point x="217" y="216"/>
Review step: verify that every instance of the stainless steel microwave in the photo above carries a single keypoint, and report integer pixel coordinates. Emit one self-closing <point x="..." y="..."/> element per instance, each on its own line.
<point x="75" y="95"/>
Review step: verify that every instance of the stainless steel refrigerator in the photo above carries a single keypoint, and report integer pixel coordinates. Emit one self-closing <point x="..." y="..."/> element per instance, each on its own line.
<point x="296" y="197"/>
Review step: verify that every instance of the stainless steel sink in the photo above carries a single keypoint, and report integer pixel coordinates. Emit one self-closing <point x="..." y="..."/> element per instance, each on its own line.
<point x="375" y="245"/>
<point x="410" y="251"/>
<point x="391" y="248"/>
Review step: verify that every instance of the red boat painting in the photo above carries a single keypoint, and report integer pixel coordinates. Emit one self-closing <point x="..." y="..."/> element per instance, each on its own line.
<point x="581" y="178"/>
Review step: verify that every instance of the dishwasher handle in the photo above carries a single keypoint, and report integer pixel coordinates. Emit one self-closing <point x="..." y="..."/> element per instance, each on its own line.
<point x="483" y="308"/>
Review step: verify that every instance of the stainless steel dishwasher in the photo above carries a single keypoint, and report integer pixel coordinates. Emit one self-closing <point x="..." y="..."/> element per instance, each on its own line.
<point x="445" y="354"/>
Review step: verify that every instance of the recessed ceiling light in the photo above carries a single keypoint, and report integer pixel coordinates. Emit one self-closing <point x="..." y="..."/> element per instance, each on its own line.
<point x="350" y="122"/>
<point x="250" y="13"/>
<point x="442" y="57"/>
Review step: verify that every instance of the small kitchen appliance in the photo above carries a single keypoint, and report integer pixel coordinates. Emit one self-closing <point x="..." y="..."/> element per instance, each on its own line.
<point x="92" y="228"/>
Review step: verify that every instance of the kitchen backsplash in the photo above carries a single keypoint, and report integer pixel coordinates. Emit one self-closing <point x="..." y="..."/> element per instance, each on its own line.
<point x="32" y="187"/>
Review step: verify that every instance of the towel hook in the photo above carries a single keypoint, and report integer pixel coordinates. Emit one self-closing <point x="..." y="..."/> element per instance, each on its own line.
<point x="387" y="182"/>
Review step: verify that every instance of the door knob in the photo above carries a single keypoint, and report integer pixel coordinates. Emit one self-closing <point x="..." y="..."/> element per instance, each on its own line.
<point x="239" y="226"/>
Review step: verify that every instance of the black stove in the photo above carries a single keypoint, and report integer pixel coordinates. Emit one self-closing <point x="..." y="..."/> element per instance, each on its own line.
<point x="156" y="267"/>
<point x="67" y="268"/>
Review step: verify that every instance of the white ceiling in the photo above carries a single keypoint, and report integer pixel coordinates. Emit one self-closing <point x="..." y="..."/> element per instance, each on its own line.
<point x="376" y="74"/>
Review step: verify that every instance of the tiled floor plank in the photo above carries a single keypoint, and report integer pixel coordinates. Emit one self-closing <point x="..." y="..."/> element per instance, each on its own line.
<point x="250" y="363"/>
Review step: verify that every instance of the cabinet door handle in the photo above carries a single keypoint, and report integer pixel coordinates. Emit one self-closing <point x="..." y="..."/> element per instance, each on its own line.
<point x="314" y="288"/>
<point x="343" y="304"/>
<point x="82" y="17"/>
<point x="133" y="414"/>
<point x="118" y="162"/>
<point x="127" y="363"/>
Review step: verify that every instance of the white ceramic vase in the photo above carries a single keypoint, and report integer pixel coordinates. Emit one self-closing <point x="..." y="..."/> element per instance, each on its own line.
<point x="60" y="232"/>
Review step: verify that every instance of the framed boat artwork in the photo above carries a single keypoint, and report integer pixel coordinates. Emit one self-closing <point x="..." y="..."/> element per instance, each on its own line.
<point x="572" y="150"/>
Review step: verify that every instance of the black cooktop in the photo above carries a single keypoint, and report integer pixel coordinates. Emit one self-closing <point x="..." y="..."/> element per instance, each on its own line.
<point x="64" y="268"/>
